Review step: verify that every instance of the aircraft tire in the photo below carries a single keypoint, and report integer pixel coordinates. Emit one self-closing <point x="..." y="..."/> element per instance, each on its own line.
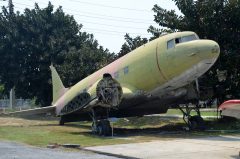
<point x="61" y="122"/>
<point x="197" y="123"/>
<point x="107" y="128"/>
<point x="104" y="128"/>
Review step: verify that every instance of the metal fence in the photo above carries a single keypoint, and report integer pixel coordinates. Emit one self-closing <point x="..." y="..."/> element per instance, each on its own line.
<point x="19" y="103"/>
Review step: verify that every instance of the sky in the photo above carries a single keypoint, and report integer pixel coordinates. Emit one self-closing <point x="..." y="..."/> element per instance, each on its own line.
<point x="107" y="20"/>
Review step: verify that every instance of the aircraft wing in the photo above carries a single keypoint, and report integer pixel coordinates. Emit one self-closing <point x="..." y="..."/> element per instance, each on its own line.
<point x="36" y="111"/>
<point x="106" y="92"/>
<point x="106" y="96"/>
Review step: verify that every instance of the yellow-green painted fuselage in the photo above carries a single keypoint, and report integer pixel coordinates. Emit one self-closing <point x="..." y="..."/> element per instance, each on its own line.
<point x="162" y="65"/>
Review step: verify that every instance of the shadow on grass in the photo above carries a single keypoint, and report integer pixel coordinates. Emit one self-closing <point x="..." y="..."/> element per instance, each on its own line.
<point x="44" y="125"/>
<point x="79" y="126"/>
<point x="167" y="131"/>
<point x="132" y="132"/>
<point x="34" y="117"/>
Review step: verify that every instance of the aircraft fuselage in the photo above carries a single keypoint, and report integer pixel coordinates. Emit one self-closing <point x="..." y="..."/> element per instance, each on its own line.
<point x="160" y="66"/>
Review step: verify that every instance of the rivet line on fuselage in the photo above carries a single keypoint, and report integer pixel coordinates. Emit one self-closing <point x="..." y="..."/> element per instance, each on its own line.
<point x="159" y="69"/>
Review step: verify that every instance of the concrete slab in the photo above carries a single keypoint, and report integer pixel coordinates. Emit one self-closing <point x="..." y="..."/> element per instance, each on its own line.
<point x="11" y="150"/>
<point x="221" y="147"/>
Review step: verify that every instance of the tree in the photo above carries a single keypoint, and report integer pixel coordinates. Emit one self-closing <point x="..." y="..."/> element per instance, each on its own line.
<point x="31" y="41"/>
<point x="131" y="44"/>
<point x="79" y="63"/>
<point x="2" y="94"/>
<point x="217" y="20"/>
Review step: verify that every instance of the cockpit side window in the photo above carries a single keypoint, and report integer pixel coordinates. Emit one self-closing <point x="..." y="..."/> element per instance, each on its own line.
<point x="189" y="38"/>
<point x="170" y="44"/>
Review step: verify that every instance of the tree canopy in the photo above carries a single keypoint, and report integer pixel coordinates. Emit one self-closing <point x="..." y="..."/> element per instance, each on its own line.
<point x="131" y="44"/>
<point x="31" y="41"/>
<point x="212" y="19"/>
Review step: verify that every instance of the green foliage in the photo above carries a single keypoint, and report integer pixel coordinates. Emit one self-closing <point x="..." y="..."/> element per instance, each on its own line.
<point x="79" y="63"/>
<point x="217" y="20"/>
<point x="1" y="91"/>
<point x="31" y="41"/>
<point x="131" y="44"/>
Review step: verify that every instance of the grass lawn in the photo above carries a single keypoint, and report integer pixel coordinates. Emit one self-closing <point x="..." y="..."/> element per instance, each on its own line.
<point x="203" y="113"/>
<point x="41" y="132"/>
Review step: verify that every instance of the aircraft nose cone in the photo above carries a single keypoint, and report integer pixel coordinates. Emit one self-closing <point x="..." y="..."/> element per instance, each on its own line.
<point x="208" y="49"/>
<point x="215" y="48"/>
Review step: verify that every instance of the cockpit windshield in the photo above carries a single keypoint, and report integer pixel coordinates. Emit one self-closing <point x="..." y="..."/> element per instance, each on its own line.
<point x="183" y="39"/>
<point x="189" y="38"/>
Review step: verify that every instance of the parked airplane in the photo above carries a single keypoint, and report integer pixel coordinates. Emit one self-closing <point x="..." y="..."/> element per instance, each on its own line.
<point x="230" y="108"/>
<point x="147" y="80"/>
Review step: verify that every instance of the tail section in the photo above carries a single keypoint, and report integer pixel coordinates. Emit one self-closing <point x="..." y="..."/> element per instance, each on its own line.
<point x="58" y="87"/>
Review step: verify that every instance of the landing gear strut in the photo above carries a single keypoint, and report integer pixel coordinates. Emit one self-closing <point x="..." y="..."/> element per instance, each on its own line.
<point x="195" y="122"/>
<point x="61" y="121"/>
<point x="100" y="127"/>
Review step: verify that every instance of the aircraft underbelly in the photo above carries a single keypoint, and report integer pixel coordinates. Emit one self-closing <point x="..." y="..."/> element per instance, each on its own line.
<point x="129" y="108"/>
<point x="184" y="78"/>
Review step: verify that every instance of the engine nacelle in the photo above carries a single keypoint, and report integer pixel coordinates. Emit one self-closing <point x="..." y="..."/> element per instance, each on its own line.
<point x="109" y="91"/>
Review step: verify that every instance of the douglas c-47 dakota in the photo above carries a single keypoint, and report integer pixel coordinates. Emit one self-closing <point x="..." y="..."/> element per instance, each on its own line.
<point x="146" y="81"/>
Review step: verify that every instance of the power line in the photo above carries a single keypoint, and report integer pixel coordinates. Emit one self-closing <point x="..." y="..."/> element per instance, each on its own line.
<point x="118" y="26"/>
<point x="110" y="31"/>
<point x="111" y="19"/>
<point x="113" y="31"/>
<point x="114" y="34"/>
<point x="107" y="6"/>
<point x="95" y="17"/>
<point x="90" y="13"/>
<point x="104" y="15"/>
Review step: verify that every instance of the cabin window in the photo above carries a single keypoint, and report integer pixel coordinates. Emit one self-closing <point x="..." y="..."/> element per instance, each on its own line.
<point x="116" y="75"/>
<point x="125" y="70"/>
<point x="170" y="44"/>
